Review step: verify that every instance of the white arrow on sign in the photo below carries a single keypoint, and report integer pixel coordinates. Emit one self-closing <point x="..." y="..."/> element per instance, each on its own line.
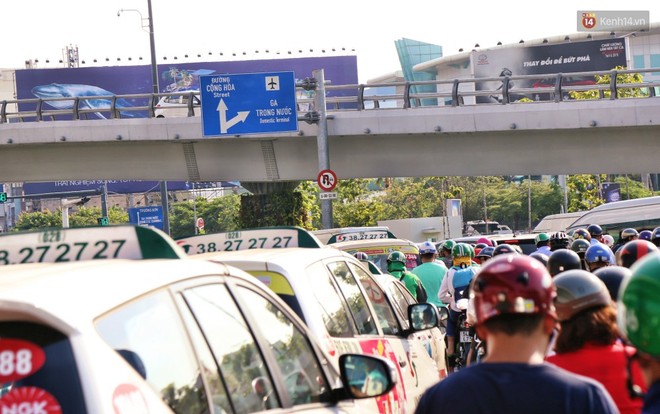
<point x="226" y="124"/>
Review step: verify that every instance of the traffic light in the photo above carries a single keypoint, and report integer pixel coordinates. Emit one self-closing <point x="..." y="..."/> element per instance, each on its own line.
<point x="3" y="197"/>
<point x="103" y="221"/>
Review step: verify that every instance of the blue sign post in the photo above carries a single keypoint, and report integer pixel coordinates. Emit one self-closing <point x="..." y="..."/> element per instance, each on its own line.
<point x="248" y="103"/>
<point x="146" y="216"/>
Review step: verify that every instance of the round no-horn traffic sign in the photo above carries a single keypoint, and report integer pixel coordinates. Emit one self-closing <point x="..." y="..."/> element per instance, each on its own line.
<point x="327" y="180"/>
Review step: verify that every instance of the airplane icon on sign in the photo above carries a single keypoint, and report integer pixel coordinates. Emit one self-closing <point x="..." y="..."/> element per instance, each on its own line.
<point x="272" y="83"/>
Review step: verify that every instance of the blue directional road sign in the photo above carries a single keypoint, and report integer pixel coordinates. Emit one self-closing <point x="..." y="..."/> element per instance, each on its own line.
<point x="248" y="103"/>
<point x="146" y="216"/>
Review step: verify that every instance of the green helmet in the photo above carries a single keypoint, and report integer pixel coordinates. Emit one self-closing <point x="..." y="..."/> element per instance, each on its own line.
<point x="396" y="261"/>
<point x="638" y="305"/>
<point x="448" y="245"/>
<point x="541" y="237"/>
<point x="462" y="250"/>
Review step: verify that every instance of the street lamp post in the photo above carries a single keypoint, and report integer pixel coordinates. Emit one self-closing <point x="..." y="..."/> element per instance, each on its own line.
<point x="155" y="90"/>
<point x="152" y="46"/>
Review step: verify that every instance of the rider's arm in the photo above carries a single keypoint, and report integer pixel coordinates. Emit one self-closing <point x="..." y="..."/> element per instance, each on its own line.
<point x="444" y="295"/>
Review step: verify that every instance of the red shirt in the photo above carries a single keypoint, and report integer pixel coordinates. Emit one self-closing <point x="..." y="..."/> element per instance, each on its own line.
<point x="606" y="364"/>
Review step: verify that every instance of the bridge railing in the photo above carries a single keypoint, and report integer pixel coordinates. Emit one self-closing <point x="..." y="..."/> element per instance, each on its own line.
<point x="501" y="90"/>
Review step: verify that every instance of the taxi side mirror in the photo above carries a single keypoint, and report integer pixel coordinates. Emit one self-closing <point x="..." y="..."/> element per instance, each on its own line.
<point x="366" y="376"/>
<point x="423" y="316"/>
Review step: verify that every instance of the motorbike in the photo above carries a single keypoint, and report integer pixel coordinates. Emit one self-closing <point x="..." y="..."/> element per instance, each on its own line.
<point x="470" y="348"/>
<point x="465" y="336"/>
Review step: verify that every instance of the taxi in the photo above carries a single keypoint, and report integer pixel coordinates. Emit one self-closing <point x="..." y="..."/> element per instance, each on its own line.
<point x="434" y="338"/>
<point x="338" y="298"/>
<point x="119" y="320"/>
<point x="379" y="248"/>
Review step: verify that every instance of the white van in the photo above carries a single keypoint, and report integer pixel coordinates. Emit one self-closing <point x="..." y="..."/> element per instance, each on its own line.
<point x="640" y="214"/>
<point x="557" y="222"/>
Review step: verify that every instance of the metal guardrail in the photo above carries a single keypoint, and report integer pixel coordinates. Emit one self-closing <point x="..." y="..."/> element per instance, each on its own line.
<point x="356" y="97"/>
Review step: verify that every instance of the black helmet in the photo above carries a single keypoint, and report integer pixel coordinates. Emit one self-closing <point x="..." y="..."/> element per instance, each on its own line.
<point x="361" y="256"/>
<point x="580" y="247"/>
<point x="562" y="260"/>
<point x="655" y="236"/>
<point x="581" y="234"/>
<point x="612" y="276"/>
<point x="633" y="251"/>
<point x="486" y="252"/>
<point x="503" y="249"/>
<point x="578" y="290"/>
<point x="559" y="240"/>
<point x="543" y="258"/>
<point x="645" y="235"/>
<point x="595" y="230"/>
<point x="628" y="234"/>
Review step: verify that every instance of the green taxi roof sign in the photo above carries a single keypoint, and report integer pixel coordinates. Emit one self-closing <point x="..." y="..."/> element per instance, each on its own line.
<point x="260" y="238"/>
<point x="55" y="245"/>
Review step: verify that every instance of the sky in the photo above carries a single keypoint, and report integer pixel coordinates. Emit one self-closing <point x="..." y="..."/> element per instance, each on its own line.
<point x="42" y="29"/>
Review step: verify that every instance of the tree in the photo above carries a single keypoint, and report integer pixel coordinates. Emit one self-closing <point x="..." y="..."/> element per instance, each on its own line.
<point x="584" y="191"/>
<point x="220" y="214"/>
<point x="38" y="220"/>
<point x="88" y="216"/>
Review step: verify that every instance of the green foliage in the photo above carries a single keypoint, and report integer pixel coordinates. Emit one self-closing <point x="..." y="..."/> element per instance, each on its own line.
<point x="38" y="220"/>
<point x="583" y="191"/>
<point x="631" y="188"/>
<point x="88" y="216"/>
<point x="220" y="214"/>
<point x="274" y="209"/>
<point x="309" y="193"/>
<point x="621" y="78"/>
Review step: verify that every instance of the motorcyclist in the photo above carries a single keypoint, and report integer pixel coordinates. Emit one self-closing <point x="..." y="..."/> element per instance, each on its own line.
<point x="597" y="256"/>
<point x="396" y="266"/>
<point x="542" y="241"/>
<point x="613" y="276"/>
<point x="638" y="308"/>
<point x="580" y="246"/>
<point x="597" y="236"/>
<point x="456" y="281"/>
<point x="559" y="240"/>
<point x="444" y="251"/>
<point x="645" y="235"/>
<point x="627" y="235"/>
<point x="581" y="234"/>
<point x="513" y="299"/>
<point x="562" y="260"/>
<point x="588" y="341"/>
<point x="655" y="236"/>
<point x="633" y="251"/>
<point x="430" y="272"/>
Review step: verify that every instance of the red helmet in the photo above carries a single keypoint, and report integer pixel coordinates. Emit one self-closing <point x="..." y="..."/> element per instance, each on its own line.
<point x="633" y="251"/>
<point x="511" y="283"/>
<point x="484" y="240"/>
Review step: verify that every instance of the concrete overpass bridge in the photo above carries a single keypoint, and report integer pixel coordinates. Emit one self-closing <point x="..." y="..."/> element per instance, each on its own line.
<point x="365" y="138"/>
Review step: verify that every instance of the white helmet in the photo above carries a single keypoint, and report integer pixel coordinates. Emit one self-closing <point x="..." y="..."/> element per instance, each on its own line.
<point x="608" y="240"/>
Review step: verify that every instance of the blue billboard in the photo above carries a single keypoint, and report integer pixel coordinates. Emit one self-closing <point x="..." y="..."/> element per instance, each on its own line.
<point x="124" y="80"/>
<point x="119" y="186"/>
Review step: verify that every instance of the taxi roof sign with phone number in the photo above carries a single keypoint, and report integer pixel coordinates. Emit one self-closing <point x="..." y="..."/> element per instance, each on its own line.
<point x="87" y="243"/>
<point x="261" y="238"/>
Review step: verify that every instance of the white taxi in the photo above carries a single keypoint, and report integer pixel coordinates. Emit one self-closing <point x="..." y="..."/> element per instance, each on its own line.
<point x="337" y="297"/>
<point x="379" y="248"/>
<point x="156" y="335"/>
